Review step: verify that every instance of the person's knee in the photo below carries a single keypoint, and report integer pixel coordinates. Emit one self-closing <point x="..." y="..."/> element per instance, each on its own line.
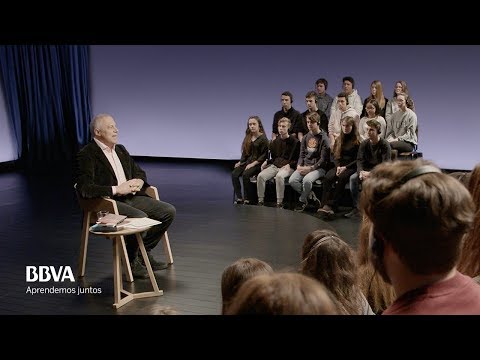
<point x="171" y="211"/>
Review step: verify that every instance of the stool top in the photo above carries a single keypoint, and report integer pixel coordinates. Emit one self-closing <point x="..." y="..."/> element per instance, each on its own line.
<point x="124" y="229"/>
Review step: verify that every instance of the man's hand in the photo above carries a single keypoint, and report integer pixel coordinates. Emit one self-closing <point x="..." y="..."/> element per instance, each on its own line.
<point x="130" y="187"/>
<point x="340" y="169"/>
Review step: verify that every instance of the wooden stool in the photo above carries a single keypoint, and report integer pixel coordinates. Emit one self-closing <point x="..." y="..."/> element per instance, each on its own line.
<point x="117" y="268"/>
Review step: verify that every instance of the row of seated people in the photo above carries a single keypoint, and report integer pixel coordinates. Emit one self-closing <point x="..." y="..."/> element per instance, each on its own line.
<point x="304" y="162"/>
<point x="347" y="103"/>
<point x="418" y="231"/>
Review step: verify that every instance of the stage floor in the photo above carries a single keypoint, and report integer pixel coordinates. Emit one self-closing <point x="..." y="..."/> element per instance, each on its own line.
<point x="41" y="224"/>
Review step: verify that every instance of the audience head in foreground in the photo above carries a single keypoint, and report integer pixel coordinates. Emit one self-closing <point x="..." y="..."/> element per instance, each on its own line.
<point x="420" y="217"/>
<point x="470" y="258"/>
<point x="330" y="260"/>
<point x="237" y="273"/>
<point x="282" y="294"/>
<point x="379" y="293"/>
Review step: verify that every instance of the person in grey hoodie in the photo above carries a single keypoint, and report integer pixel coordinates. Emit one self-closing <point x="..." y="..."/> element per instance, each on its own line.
<point x="401" y="131"/>
<point x="343" y="110"/>
<point x="353" y="98"/>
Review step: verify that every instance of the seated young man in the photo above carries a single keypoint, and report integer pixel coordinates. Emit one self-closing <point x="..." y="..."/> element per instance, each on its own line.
<point x="419" y="218"/>
<point x="313" y="161"/>
<point x="285" y="150"/>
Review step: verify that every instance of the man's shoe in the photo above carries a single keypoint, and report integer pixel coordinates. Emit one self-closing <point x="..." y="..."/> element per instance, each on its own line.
<point x="139" y="271"/>
<point x="156" y="265"/>
<point x="352" y="214"/>
<point x="279" y="205"/>
<point x="261" y="203"/>
<point x="238" y="202"/>
<point x="300" y="207"/>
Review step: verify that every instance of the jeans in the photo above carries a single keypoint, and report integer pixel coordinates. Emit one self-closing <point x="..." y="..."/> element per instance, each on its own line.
<point x="145" y="206"/>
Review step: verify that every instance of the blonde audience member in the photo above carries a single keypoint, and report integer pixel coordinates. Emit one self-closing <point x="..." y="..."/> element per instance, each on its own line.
<point x="376" y="93"/>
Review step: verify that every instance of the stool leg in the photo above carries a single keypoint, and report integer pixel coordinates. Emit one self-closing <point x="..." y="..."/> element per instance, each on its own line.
<point x="126" y="260"/>
<point x="147" y="264"/>
<point x="117" y="270"/>
<point x="166" y="248"/>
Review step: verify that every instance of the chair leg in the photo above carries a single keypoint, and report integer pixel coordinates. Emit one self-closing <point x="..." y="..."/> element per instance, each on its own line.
<point x="166" y="248"/>
<point x="83" y="244"/>
<point x="126" y="260"/>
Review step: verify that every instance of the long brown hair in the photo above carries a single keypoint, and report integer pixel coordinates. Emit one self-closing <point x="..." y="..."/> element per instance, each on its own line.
<point x="379" y="94"/>
<point x="378" y="293"/>
<point x="247" y="140"/>
<point x="469" y="263"/>
<point x="327" y="258"/>
<point x="337" y="147"/>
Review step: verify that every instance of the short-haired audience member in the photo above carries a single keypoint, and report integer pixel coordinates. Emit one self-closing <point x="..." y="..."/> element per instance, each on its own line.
<point x="237" y="273"/>
<point x="348" y="87"/>
<point x="469" y="263"/>
<point x="372" y="110"/>
<point x="345" y="158"/>
<point x="335" y="122"/>
<point x="376" y="93"/>
<point x="254" y="153"/>
<point x="420" y="217"/>
<point x="311" y="102"/>
<point x="287" y="111"/>
<point x="401" y="130"/>
<point x="379" y="293"/>
<point x="392" y="105"/>
<point x="331" y="261"/>
<point x="282" y="294"/>
<point x="284" y="151"/>
<point x="371" y="152"/>
<point x="313" y="161"/>
<point x="324" y="100"/>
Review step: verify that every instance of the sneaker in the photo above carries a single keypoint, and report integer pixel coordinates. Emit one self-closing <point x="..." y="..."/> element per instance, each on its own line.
<point x="238" y="202"/>
<point x="246" y="202"/>
<point x="156" y="265"/>
<point x="139" y="271"/>
<point x="300" y="207"/>
<point x="326" y="210"/>
<point x="279" y="205"/>
<point x="261" y="203"/>
<point x="352" y="214"/>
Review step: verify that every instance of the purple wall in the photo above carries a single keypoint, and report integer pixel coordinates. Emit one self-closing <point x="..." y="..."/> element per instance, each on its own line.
<point x="193" y="101"/>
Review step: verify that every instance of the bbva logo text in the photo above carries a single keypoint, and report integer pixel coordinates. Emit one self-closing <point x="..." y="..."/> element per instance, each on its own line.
<point x="44" y="273"/>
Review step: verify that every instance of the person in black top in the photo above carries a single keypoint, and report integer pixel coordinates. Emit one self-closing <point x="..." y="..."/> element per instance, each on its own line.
<point x="254" y="153"/>
<point x="289" y="112"/>
<point x="284" y="156"/>
<point x="372" y="152"/>
<point x="345" y="157"/>
<point x="312" y="106"/>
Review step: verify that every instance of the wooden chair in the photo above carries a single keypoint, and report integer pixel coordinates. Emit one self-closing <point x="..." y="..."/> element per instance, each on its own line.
<point x="90" y="208"/>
